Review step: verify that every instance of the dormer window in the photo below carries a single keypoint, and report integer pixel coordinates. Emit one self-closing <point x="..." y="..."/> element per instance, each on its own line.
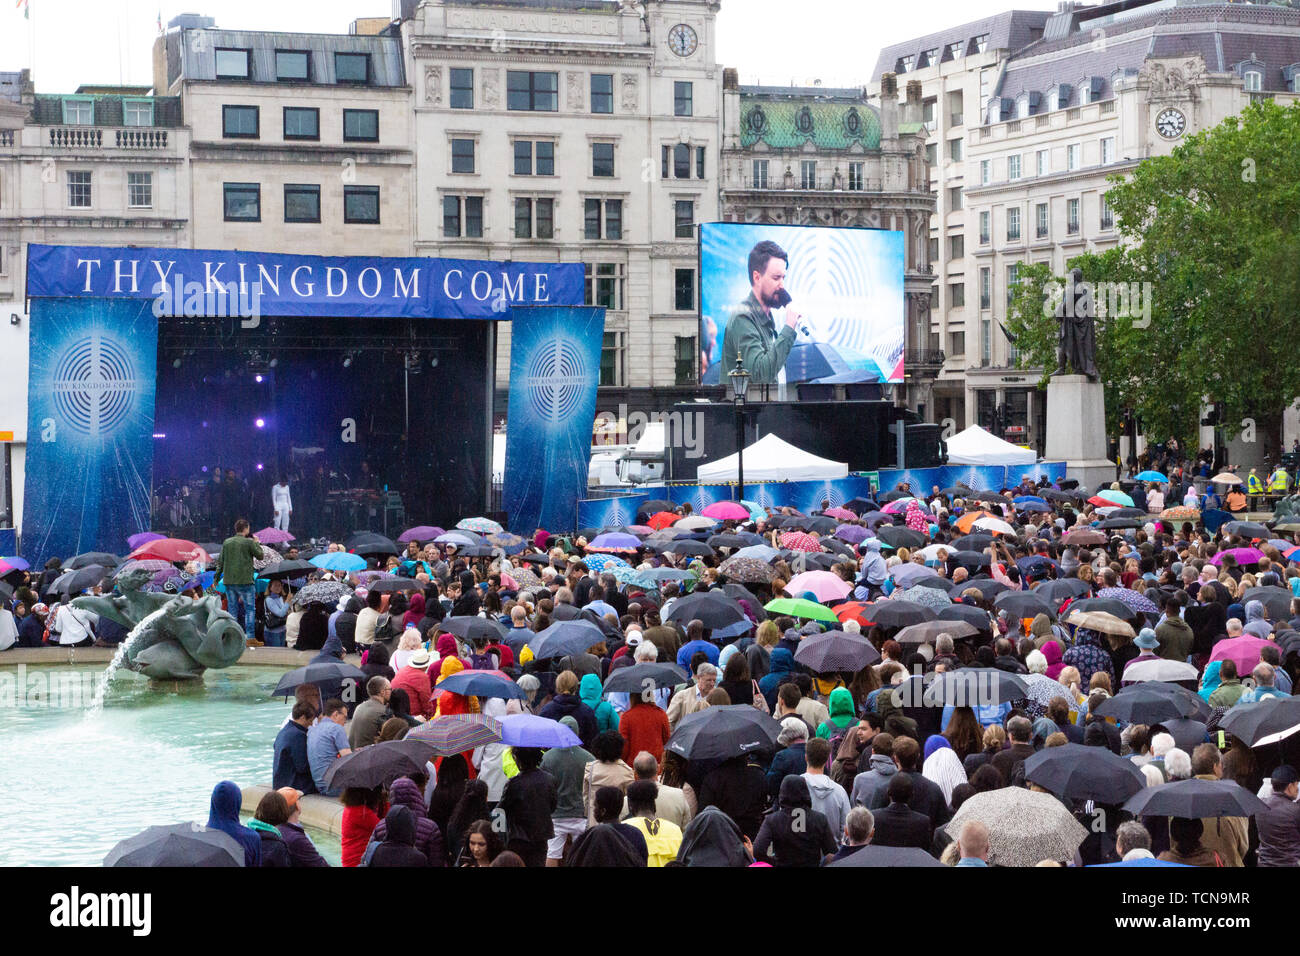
<point x="907" y="63"/>
<point x="1058" y="96"/>
<point x="953" y="50"/>
<point x="980" y="43"/>
<point x="1090" y="89"/>
<point x="1254" y="81"/>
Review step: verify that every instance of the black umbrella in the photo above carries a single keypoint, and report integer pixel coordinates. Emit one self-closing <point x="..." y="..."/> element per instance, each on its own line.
<point x="1061" y="590"/>
<point x="895" y="856"/>
<point x="889" y="496"/>
<point x="970" y="560"/>
<point x="966" y="687"/>
<point x="897" y="536"/>
<point x="1247" y="529"/>
<point x="470" y="628"/>
<point x="1274" y="717"/>
<point x="982" y="583"/>
<point x="181" y="844"/>
<point x="380" y="764"/>
<point x="1051" y="494"/>
<point x="564" y="638"/>
<point x="975" y="541"/>
<point x="838" y="547"/>
<point x="733" y="541"/>
<point x="990" y="496"/>
<point x="714" y="608"/>
<point x="655" y="506"/>
<point x="931" y="581"/>
<point x="1119" y="524"/>
<point x="1024" y="604"/>
<point x="102" y="558"/>
<point x="1140" y="704"/>
<point x="836" y="651"/>
<point x="320" y="673"/>
<point x="643" y="677"/>
<point x="1186" y="731"/>
<point x="393" y="585"/>
<point x="1107" y="606"/>
<point x="1276" y="600"/>
<point x="1076" y="772"/>
<point x="74" y="582"/>
<point x="820" y="525"/>
<point x="860" y="506"/>
<point x="719" y="733"/>
<point x="897" y="613"/>
<point x="1195" y="799"/>
<point x="288" y="569"/>
<point x="536" y="558"/>
<point x="686" y="546"/>
<point x="739" y="591"/>
<point x="810" y="560"/>
<point x="956" y="491"/>
<point x="976" y="617"/>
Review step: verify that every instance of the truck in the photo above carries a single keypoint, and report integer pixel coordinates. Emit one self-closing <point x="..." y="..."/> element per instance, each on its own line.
<point x="614" y="466"/>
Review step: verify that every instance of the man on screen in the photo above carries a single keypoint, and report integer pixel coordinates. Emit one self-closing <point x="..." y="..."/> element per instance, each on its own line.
<point x="751" y="332"/>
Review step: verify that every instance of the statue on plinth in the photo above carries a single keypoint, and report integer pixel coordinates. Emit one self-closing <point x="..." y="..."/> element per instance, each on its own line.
<point x="1077" y="346"/>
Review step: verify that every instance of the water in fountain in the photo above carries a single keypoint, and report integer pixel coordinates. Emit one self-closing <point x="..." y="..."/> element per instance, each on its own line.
<point x="97" y="704"/>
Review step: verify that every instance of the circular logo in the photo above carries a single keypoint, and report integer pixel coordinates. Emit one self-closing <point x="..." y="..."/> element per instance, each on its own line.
<point x="555" y="381"/>
<point x="94" y="385"/>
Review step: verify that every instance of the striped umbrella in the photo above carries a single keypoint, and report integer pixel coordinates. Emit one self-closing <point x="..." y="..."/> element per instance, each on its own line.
<point x="457" y="733"/>
<point x="798" y="541"/>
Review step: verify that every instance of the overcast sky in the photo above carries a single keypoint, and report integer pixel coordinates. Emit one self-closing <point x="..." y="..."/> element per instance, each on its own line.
<point x="71" y="42"/>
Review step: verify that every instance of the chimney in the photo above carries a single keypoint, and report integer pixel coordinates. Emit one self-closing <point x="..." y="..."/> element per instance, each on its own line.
<point x="914" y="112"/>
<point x="889" y="85"/>
<point x="730" y="78"/>
<point x="888" y="107"/>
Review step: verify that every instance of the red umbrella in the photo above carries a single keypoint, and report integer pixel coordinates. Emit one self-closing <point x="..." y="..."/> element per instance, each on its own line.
<point x="661" y="520"/>
<point x="798" y="541"/>
<point x="853" y="611"/>
<point x="171" y="549"/>
<point x="1242" y="651"/>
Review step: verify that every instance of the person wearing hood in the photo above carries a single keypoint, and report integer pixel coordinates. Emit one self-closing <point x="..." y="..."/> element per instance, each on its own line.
<point x="841" y="716"/>
<point x="344" y="626"/>
<point x="828" y="797"/>
<point x="1052" y="651"/>
<point x="736" y="787"/>
<point x="414" y="611"/>
<point x="568" y="767"/>
<point x="1257" y="623"/>
<point x="870" y="783"/>
<point x="942" y="766"/>
<point x="713" y="839"/>
<point x="781" y="663"/>
<point x="405" y="793"/>
<point x="566" y="702"/>
<point x="272" y="810"/>
<point x="332" y="653"/>
<point x="377" y="663"/>
<point x="223" y="815"/>
<point x="398" y="849"/>
<point x="793" y="833"/>
<point x="591" y="693"/>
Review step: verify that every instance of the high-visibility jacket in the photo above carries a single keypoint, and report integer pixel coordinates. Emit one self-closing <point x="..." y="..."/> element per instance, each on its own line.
<point x="1279" y="481"/>
<point x="1253" y="485"/>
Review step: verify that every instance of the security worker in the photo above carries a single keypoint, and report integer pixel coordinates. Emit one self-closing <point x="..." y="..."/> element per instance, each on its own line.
<point x="1254" y="487"/>
<point x="1279" y="483"/>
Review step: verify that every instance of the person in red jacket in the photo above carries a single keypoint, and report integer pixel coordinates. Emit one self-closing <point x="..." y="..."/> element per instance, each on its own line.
<point x="362" y="810"/>
<point x="414" y="679"/>
<point x="644" y="726"/>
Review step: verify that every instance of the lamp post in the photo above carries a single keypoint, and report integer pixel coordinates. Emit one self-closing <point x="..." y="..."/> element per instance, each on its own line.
<point x="739" y="388"/>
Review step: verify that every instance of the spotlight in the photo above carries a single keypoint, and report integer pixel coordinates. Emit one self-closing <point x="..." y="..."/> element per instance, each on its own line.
<point x="258" y="379"/>
<point x="347" y="362"/>
<point x="433" y="362"/>
<point x="273" y="363"/>
<point x="259" y="466"/>
<point x="260" y="423"/>
<point x="176" y="363"/>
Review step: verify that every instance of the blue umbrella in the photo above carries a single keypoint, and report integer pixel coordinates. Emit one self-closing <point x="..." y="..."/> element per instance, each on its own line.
<point x="1150" y="476"/>
<point x="760" y="551"/>
<point x="1024" y="498"/>
<point x="529" y="730"/>
<point x="1214" y="519"/>
<point x="339" y="561"/>
<point x="481" y="684"/>
<point x="1035" y="506"/>
<point x="509" y="543"/>
<point x="603" y="562"/>
<point x="1143" y="861"/>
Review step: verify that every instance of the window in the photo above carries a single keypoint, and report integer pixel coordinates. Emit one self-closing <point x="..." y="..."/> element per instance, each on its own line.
<point x="543" y="227"/>
<point x="361" y="126"/>
<point x="699" y="162"/>
<point x="301" y="122"/>
<point x="612" y="356"/>
<point x="760" y="174"/>
<point x="292" y="65"/>
<point x="532" y="91"/>
<point x="956" y="344"/>
<point x="602" y="92"/>
<point x="985" y="230"/>
<point x="526" y="149"/>
<point x="240" y="122"/>
<point x="957" y="296"/>
<point x="352" y="67"/>
<point x="462" y="156"/>
<point x="954" y="150"/>
<point x="929" y="115"/>
<point x="907" y="63"/>
<point x="1072" y="216"/>
<point x="956" y="246"/>
<point x="1013" y="281"/>
<point x="857" y="176"/>
<point x="681" y="161"/>
<point x="243" y="202"/>
<point x="986" y="288"/>
<point x="1042" y="162"/>
<point x="1013" y="223"/>
<point x="684" y="290"/>
<point x="808" y="174"/>
<point x="79" y="112"/>
<point x="683" y="98"/>
<point x="605" y="282"/>
<point x="462" y="88"/>
<point x="953" y="50"/>
<point x="955" y="103"/>
<point x="139" y="190"/>
<point x="301" y="203"/>
<point x="986" y="171"/>
<point x="606" y="212"/>
<point x="602" y="159"/>
<point x="1107" y="214"/>
<point x="1013" y="167"/>
<point x="1253" y="81"/>
<point x="931" y="153"/>
<point x="934" y="249"/>
<point x="1040" y="215"/>
<point x="232" y="64"/>
<point x="1108" y="150"/>
<point x="684" y="218"/>
<point x="137" y="112"/>
<point x="954" y="197"/>
<point x="523" y="218"/>
<point x="1072" y="156"/>
<point x="686" y="359"/>
<point x="462" y="215"/>
<point x="981" y="42"/>
<point x="79" y="189"/>
<point x="361" y="204"/>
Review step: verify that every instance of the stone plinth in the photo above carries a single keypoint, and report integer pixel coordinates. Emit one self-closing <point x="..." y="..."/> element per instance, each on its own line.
<point x="1076" y="429"/>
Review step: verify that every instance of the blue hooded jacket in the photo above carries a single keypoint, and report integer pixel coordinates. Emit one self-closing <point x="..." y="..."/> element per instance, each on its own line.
<point x="224" y="816"/>
<point x="782" y="666"/>
<point x="590" y="692"/>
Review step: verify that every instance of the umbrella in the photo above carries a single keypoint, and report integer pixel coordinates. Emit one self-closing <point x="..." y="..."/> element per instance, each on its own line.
<point x="643" y="677"/>
<point x="420" y="533"/>
<point x="1134" y="600"/>
<point x="1062" y="589"/>
<point x="322" y="592"/>
<point x="1247" y="529"/>
<point x="176" y="550"/>
<point x="733" y="540"/>
<point x="509" y="543"/>
<point x="798" y="541"/>
<point x="479" y="526"/>
<point x="523" y="578"/>
<point x="1024" y="604"/>
<point x="564" y="638"/>
<point x="1036" y="507"/>
<point x="181" y="844"/>
<point x="994" y="526"/>
<point x="966" y="687"/>
<point x="1225" y="478"/>
<point x="1145" y="704"/>
<point x="529" y="730"/>
<point x="1180" y="513"/>
<point x="1267" y="721"/>
<point x="725" y="510"/>
<point x="1025" y="827"/>
<point x="1084" y="536"/>
<point x="1076" y="772"/>
<point x="1276" y="600"/>
<point x="639" y="530"/>
<point x="1119" y="524"/>
<point x="270" y="558"/>
<point x="897" y="613"/>
<point x="1242" y="651"/>
<point x="853" y="611"/>
<point x="102" y="558"/>
<point x="821" y="524"/>
<point x="1028" y="499"/>
<point x="374" y="549"/>
<point x="391" y="585"/>
<point x="74" y="582"/>
<point x="970" y="560"/>
<point x="654" y="505"/>
<point x="925" y="596"/>
<point x="601" y="563"/>
<point x="687" y="547"/>
<point x="976" y="541"/>
<point x="1214" y="519"/>
<point x="457" y="733"/>
<point x="893" y="856"/>
<point x="1115" y="497"/>
<point x="1195" y="799"/>
<point x="928" y="631"/>
<point x="836" y="651"/>
<point x="1187" y="732"/>
<point x="896" y="536"/>
<point x="976" y="617"/>
<point x="932" y="581"/>
<point x="148" y="564"/>
<point x="982" y="583"/>
<point x="860" y="505"/>
<point x="1159" y="670"/>
<point x="657" y="576"/>
<point x="472" y="628"/>
<point x="719" y="733"/>
<point x="622" y="543"/>
<point x="1108" y="605"/>
<point x="805" y="561"/>
<point x="716" y="610"/>
<point x="825" y="585"/>
<point x="746" y="570"/>
<point x="380" y="764"/>
<point x="273" y="536"/>
<point x="459" y="538"/>
<point x="840" y="514"/>
<point x="320" y="673"/>
<point x="904" y="574"/>
<point x="990" y="496"/>
<point x="339" y="561"/>
<point x="663" y="520"/>
<point x="1042" y="691"/>
<point x="289" y="569"/>
<point x="799" y="608"/>
<point x="1101" y="622"/>
<point x="695" y="523"/>
<point x="1150" y="476"/>
<point x="143" y="537"/>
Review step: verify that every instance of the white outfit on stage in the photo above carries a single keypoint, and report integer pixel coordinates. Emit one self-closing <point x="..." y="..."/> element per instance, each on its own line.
<point x="282" y="504"/>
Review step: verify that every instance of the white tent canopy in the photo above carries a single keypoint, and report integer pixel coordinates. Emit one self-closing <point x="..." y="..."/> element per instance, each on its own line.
<point x="771" y="459"/>
<point x="975" y="446"/>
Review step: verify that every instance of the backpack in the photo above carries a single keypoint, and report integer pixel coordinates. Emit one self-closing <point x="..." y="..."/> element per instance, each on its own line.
<point x="482" y="662"/>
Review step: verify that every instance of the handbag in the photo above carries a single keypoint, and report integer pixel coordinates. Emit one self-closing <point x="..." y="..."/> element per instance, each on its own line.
<point x="760" y="702"/>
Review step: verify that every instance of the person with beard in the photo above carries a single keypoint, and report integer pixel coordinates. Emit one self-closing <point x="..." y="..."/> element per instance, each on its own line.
<point x="751" y="335"/>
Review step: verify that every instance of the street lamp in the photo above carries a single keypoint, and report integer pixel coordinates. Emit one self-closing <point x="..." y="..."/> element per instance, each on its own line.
<point x="739" y="388"/>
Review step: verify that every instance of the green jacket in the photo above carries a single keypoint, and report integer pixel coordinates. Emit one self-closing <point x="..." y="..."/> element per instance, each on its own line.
<point x="568" y="766"/>
<point x="750" y="336"/>
<point x="235" y="563"/>
<point x="1227" y="695"/>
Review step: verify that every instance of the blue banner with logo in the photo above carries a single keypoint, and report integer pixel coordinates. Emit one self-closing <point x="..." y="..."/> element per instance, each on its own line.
<point x="554" y="370"/>
<point x="199" y="283"/>
<point x="975" y="477"/>
<point x="609" y="512"/>
<point x="90" y="426"/>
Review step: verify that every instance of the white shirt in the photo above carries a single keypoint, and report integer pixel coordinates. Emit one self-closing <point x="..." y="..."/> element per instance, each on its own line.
<point x="74" y="625"/>
<point x="280" y="499"/>
<point x="8" y="630"/>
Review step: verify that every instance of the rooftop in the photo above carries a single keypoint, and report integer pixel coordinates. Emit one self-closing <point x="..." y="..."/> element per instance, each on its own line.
<point x="1005" y="31"/>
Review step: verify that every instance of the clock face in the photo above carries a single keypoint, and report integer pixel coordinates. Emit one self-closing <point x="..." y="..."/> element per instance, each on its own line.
<point x="682" y="40"/>
<point x="1171" y="123"/>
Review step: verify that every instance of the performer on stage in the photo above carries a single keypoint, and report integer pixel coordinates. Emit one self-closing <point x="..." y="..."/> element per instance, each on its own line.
<point x="751" y="332"/>
<point x="281" y="503"/>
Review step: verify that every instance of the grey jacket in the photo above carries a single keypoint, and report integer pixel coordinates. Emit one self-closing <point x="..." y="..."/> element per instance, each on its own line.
<point x="870" y="785"/>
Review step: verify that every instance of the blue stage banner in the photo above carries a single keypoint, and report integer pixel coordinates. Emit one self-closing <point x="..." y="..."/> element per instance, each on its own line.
<point x="609" y="512"/>
<point x="90" y="426"/>
<point x="554" y="370"/>
<point x="199" y="283"/>
<point x="976" y="477"/>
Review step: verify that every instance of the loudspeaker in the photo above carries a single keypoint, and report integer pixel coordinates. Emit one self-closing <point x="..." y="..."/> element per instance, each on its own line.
<point x="863" y="392"/>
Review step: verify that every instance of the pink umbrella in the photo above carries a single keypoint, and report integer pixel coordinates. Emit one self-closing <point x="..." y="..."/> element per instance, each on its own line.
<point x="1242" y="555"/>
<point x="798" y="541"/>
<point x="726" y="510"/>
<point x="897" y="507"/>
<point x="1242" y="651"/>
<point x="272" y="536"/>
<point x="827" y="586"/>
<point x="840" y="514"/>
<point x="640" y="529"/>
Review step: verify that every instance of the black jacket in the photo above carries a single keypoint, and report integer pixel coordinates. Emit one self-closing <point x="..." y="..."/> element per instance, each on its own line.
<point x="528" y="801"/>
<point x="1005" y="762"/>
<point x="571" y="705"/>
<point x="275" y="852"/>
<point x="897" y="825"/>
<point x="737" y="789"/>
<point x="928" y="800"/>
<point x="797" y="834"/>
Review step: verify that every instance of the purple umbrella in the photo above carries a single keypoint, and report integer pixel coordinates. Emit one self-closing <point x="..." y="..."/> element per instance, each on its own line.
<point x="1242" y="555"/>
<point x="615" y="541"/>
<point x="852" y="533"/>
<point x="16" y="564"/>
<point x="273" y="536"/>
<point x="422" y="532"/>
<point x="144" y="537"/>
<point x="528" y="730"/>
